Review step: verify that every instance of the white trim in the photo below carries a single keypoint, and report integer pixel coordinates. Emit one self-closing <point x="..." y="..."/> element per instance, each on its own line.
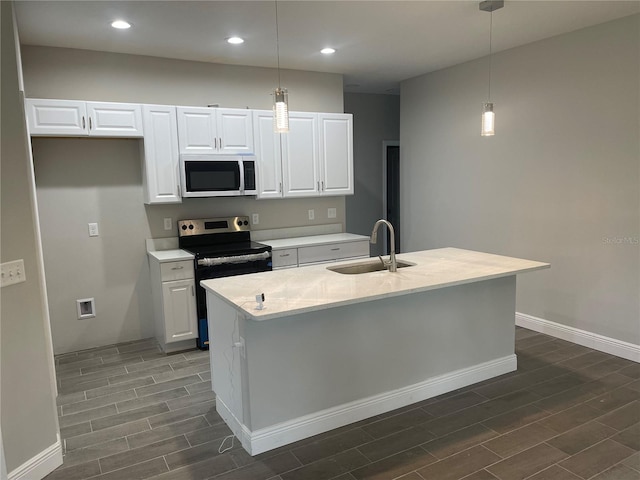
<point x="619" y="348"/>
<point x="385" y="145"/>
<point x="41" y="465"/>
<point x="306" y="426"/>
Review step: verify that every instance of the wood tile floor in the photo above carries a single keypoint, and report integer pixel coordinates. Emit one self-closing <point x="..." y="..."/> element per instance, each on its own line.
<point x="129" y="412"/>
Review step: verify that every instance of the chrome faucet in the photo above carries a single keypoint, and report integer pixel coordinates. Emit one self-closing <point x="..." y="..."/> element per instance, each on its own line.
<point x="391" y="264"/>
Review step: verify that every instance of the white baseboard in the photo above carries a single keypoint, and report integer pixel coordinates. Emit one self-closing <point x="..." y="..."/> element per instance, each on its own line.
<point x="284" y="433"/>
<point x="40" y="465"/>
<point x="627" y="350"/>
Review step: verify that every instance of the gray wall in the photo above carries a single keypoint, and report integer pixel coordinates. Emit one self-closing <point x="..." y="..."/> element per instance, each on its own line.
<point x="99" y="180"/>
<point x="28" y="413"/>
<point x="559" y="182"/>
<point x="376" y="118"/>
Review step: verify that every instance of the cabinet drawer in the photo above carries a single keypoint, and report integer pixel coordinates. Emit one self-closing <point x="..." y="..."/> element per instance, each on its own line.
<point x="176" y="270"/>
<point x="333" y="252"/>
<point x="285" y="258"/>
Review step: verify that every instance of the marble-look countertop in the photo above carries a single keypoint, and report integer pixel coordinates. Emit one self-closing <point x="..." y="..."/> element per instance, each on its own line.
<point x="173" y="255"/>
<point x="313" y="240"/>
<point x="305" y="289"/>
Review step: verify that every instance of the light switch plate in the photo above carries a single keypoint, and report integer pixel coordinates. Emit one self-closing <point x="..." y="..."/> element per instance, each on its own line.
<point x="168" y="224"/>
<point x="12" y="272"/>
<point x="93" y="230"/>
<point x="312" y="214"/>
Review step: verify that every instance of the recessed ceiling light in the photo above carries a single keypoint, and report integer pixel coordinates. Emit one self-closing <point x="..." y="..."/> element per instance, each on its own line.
<point x="235" y="40"/>
<point x="120" y="24"/>
<point x="328" y="51"/>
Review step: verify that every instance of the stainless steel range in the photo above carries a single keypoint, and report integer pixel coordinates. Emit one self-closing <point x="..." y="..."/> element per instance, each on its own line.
<point x="222" y="248"/>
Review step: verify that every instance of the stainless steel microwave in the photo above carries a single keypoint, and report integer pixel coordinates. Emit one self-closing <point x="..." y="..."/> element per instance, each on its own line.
<point x="218" y="175"/>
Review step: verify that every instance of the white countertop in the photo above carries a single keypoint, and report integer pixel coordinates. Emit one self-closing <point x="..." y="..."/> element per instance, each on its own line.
<point x="174" y="255"/>
<point x="310" y="288"/>
<point x="313" y="240"/>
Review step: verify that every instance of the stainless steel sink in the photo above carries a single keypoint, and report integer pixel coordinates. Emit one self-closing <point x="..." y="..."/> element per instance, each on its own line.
<point x="365" y="267"/>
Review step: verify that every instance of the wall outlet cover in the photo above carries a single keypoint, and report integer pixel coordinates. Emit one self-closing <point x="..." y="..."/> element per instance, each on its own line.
<point x="331" y="213"/>
<point x="93" y="230"/>
<point x="168" y="224"/>
<point x="255" y="219"/>
<point x="312" y="214"/>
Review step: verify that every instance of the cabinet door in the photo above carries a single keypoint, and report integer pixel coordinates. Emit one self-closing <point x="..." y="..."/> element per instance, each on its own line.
<point x="300" y="156"/>
<point x="268" y="155"/>
<point x="160" y="158"/>
<point x="179" y="303"/>
<point x="235" y="130"/>
<point x="336" y="153"/>
<point x="197" y="130"/>
<point x="56" y="117"/>
<point x="107" y="119"/>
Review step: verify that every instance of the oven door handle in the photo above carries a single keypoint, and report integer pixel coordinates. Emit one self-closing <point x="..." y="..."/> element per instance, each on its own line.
<point x="209" y="262"/>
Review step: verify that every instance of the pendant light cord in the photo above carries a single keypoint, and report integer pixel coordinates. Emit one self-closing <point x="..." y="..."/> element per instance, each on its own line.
<point x="277" y="43"/>
<point x="490" y="35"/>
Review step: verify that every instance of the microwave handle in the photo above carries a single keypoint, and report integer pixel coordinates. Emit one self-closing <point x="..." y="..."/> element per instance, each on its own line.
<point x="241" y="164"/>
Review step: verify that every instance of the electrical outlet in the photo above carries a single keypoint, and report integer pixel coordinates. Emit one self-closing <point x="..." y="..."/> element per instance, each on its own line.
<point x="255" y="219"/>
<point x="168" y="224"/>
<point x="312" y="214"/>
<point x="12" y="272"/>
<point x="331" y="213"/>
<point x="93" y="230"/>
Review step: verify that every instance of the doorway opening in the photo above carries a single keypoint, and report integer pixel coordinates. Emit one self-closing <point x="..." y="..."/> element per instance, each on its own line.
<point x="391" y="191"/>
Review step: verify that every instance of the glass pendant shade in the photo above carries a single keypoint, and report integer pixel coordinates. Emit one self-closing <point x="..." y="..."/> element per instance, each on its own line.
<point x="488" y="120"/>
<point x="281" y="110"/>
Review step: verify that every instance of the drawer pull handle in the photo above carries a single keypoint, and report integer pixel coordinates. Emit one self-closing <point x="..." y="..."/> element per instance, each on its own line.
<point x="335" y="249"/>
<point x="285" y="255"/>
<point x="177" y="268"/>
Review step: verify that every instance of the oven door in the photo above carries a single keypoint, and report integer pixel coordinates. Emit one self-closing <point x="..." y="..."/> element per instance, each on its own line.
<point x="220" y="271"/>
<point x="213" y="176"/>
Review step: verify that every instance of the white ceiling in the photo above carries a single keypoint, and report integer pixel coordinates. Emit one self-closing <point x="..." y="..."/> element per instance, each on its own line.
<point x="379" y="43"/>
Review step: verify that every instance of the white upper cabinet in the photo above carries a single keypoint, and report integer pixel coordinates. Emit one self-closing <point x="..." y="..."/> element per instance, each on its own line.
<point x="300" y="156"/>
<point x="160" y="160"/>
<point x="336" y="153"/>
<point x="215" y="130"/>
<point x="268" y="154"/>
<point x="75" y="118"/>
<point x="315" y="158"/>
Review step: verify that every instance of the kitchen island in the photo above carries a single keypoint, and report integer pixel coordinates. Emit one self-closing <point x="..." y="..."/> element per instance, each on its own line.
<point x="328" y="349"/>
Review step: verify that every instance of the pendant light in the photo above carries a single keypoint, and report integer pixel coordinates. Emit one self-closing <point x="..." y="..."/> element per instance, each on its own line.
<point x="280" y="95"/>
<point x="488" y="126"/>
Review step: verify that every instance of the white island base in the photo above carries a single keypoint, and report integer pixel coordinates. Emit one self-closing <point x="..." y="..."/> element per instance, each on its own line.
<point x="294" y="372"/>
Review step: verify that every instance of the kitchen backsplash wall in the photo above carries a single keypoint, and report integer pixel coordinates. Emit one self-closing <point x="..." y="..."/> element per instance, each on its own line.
<point x="79" y="181"/>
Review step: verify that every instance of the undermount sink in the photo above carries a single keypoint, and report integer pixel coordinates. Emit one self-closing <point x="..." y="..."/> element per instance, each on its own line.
<point x="365" y="267"/>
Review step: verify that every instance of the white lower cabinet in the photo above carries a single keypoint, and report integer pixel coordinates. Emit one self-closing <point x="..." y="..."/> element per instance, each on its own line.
<point x="311" y="252"/>
<point x="174" y="304"/>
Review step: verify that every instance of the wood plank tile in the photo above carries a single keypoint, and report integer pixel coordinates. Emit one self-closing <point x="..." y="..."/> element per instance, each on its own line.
<point x="328" y="467"/>
<point x="170" y="385"/>
<point x="167" y="417"/>
<point x="387" y="426"/>
<point x="136" y="472"/>
<point x="453" y="404"/>
<point x="596" y="458"/>
<point x="81" y="417"/>
<point x="98" y="402"/>
<point x="141" y="454"/>
<point x="95" y="452"/>
<point x="459" y="465"/>
<point x="623" y="417"/>
<point x="74" y="430"/>
<point x="141" y="374"/>
<point x="518" y="440"/>
<point x="395" y="465"/>
<point x="629" y="437"/>
<point x="554" y="472"/>
<point x="614" y="399"/>
<point x="77" y="472"/>
<point x="480" y="475"/>
<point x="458" y="441"/>
<point x="190" y="400"/>
<point x="331" y="446"/>
<point x="81" y="387"/>
<point x="68" y="379"/>
<point x="166" y="360"/>
<point x="100" y="436"/>
<point x="516" y="418"/>
<point x="206" y="469"/>
<point x="527" y="463"/>
<point x="633" y="461"/>
<point x="154" y="399"/>
<point x="619" y="472"/>
<point x="208" y="434"/>
<point x="147" y="437"/>
<point x="183" y="372"/>
<point x="581" y="437"/>
<point x="396" y="443"/>
<point x="62" y="399"/>
<point x="199" y="387"/>
<point x="120" y="387"/>
<point x="126" y="417"/>
<point x="571" y="418"/>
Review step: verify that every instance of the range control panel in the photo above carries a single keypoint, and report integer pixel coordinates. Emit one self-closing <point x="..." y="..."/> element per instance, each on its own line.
<point x="206" y="226"/>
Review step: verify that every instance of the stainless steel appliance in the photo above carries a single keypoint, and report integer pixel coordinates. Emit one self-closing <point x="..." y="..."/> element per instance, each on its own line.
<point x="222" y="248"/>
<point x="218" y="175"/>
